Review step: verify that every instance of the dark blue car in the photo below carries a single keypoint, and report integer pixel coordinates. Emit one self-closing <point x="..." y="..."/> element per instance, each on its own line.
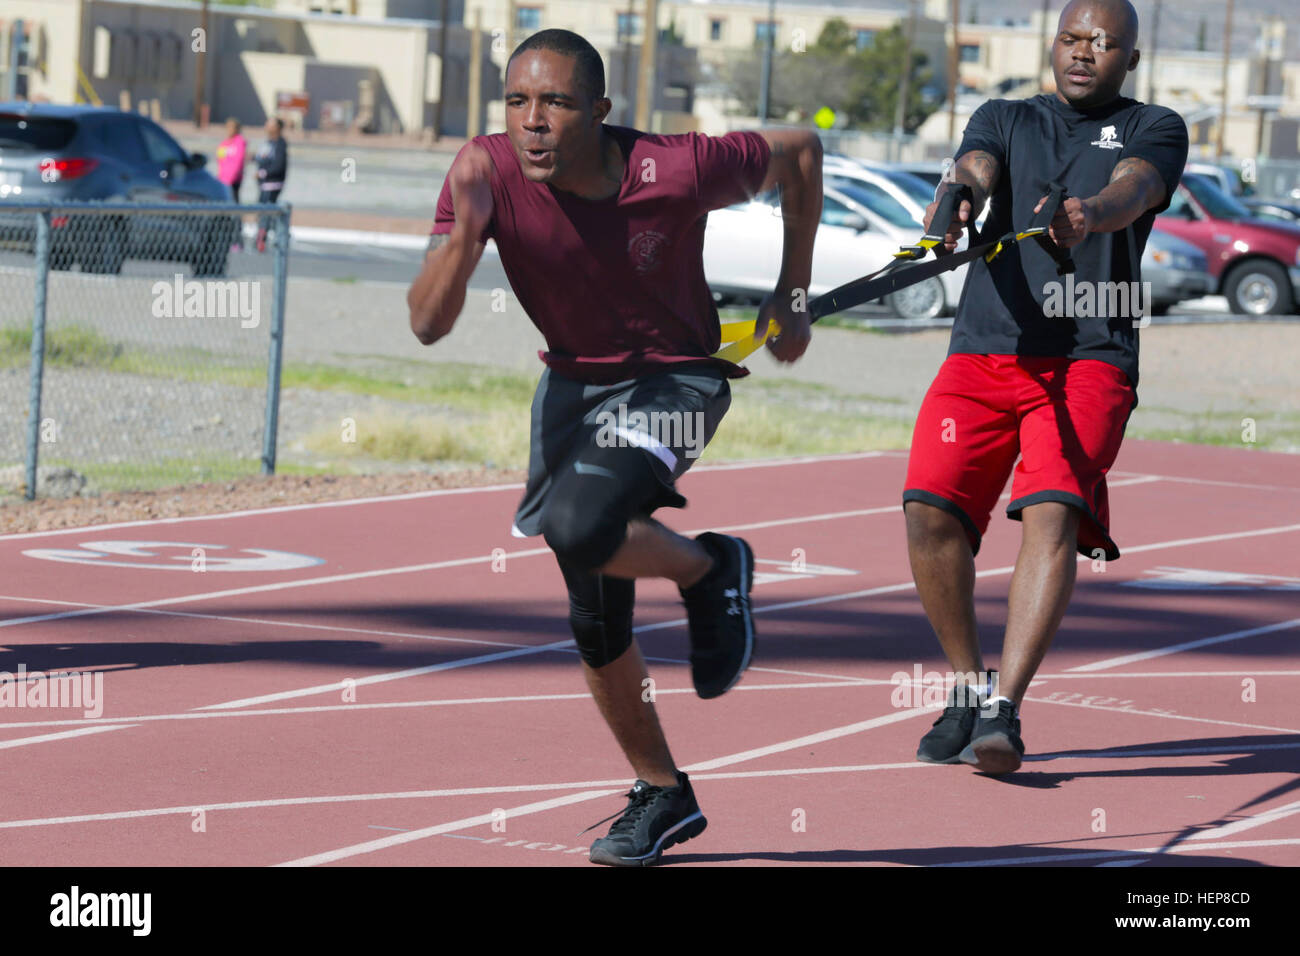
<point x="55" y="153"/>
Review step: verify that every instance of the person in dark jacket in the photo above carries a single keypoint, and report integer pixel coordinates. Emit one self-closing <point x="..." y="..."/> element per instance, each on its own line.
<point x="272" y="165"/>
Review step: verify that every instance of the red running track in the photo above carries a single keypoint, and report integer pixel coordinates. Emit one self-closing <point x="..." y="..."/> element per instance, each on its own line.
<point x="408" y="694"/>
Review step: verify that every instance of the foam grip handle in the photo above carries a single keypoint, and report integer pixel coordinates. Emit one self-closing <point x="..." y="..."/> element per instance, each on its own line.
<point x="1043" y="218"/>
<point x="950" y="197"/>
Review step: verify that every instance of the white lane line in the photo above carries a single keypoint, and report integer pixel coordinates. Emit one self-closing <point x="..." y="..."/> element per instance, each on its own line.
<point x="619" y="784"/>
<point x="1185" y="646"/>
<point x="1152" y="713"/>
<point x="64" y="735"/>
<point x="413" y="495"/>
<point x="543" y="787"/>
<point x="1207" y="539"/>
<point x="252" y="512"/>
<point x="257" y="620"/>
<point x="380" y="572"/>
<point x="1107" y="854"/>
<point x="205" y="714"/>
<point x="1116" y="753"/>
<point x="808" y="740"/>
<point x="383" y="572"/>
<point x="371" y="846"/>
<point x="397" y="839"/>
<point x="275" y="586"/>
<point x="1148" y="674"/>
<point x="1227" y="484"/>
<point x="1248" y="823"/>
<point x="336" y="686"/>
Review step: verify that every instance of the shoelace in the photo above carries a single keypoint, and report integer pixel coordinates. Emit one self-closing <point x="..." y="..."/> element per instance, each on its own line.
<point x="638" y="803"/>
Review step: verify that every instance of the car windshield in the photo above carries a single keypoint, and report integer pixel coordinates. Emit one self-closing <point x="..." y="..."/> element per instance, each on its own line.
<point x="877" y="200"/>
<point x="35" y="132"/>
<point x="1216" y="202"/>
<point x="910" y="183"/>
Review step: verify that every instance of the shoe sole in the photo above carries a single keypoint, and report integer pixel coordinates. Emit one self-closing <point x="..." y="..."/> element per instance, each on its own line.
<point x="992" y="754"/>
<point x="746" y="575"/>
<point x="687" y="829"/>
<point x="955" y="758"/>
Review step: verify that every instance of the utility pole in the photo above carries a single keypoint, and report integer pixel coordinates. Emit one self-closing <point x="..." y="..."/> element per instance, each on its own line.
<point x="765" y="85"/>
<point x="1042" y="46"/>
<point x="954" y="58"/>
<point x="200" y="68"/>
<point x="442" y="69"/>
<point x="472" y="127"/>
<point x="905" y="80"/>
<point x="1223" y="93"/>
<point x="1151" y="61"/>
<point x="1272" y="43"/>
<point x="645" y="81"/>
<point x="625" y="90"/>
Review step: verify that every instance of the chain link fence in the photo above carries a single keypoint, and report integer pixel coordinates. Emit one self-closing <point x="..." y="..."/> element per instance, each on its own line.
<point x="130" y="356"/>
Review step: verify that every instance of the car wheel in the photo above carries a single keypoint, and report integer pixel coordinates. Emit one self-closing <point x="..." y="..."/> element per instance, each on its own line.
<point x="214" y="247"/>
<point x="1258" y="287"/>
<point x="1161" y="308"/>
<point x="105" y="241"/>
<point x="921" y="301"/>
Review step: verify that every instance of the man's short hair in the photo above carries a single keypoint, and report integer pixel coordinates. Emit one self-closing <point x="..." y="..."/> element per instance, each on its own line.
<point x="590" y="72"/>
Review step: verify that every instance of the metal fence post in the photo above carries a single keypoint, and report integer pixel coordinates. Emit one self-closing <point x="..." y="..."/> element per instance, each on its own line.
<point x="38" y="348"/>
<point x="280" y="271"/>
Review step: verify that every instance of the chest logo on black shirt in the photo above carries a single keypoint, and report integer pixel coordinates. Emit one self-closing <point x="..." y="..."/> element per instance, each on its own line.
<point x="1108" y="140"/>
<point x="646" y="251"/>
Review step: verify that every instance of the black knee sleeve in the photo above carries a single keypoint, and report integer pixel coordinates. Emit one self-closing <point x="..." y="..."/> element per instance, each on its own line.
<point x="592" y="501"/>
<point x="600" y="614"/>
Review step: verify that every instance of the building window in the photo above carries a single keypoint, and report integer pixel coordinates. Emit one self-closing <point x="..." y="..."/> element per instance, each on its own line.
<point x="970" y="52"/>
<point x="528" y="18"/>
<point x="715" y="30"/>
<point x="865" y="38"/>
<point x="761" y="31"/>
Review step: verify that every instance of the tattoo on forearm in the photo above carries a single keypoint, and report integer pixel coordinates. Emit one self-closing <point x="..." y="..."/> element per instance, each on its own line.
<point x="983" y="168"/>
<point x="437" y="242"/>
<point x="1135" y="186"/>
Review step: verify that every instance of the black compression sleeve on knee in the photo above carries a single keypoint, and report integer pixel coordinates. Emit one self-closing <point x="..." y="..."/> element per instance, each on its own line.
<point x="591" y="502"/>
<point x="600" y="614"/>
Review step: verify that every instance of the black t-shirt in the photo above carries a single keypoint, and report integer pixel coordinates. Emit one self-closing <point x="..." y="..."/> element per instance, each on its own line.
<point x="1010" y="306"/>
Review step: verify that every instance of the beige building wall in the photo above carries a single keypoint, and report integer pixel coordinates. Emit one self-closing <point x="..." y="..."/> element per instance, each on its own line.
<point x="54" y="76"/>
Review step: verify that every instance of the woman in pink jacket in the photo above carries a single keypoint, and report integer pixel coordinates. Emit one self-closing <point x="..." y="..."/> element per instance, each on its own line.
<point x="231" y="155"/>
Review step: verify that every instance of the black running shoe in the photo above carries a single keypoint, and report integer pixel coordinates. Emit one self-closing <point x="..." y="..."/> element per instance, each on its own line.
<point x="995" y="746"/>
<point x="655" y="819"/>
<point x="718" y="611"/>
<point x="952" y="731"/>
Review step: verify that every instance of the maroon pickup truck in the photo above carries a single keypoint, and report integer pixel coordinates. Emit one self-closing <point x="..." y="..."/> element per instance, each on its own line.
<point x="1255" y="262"/>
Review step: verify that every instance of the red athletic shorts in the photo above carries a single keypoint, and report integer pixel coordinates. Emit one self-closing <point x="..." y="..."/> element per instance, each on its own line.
<point x="1064" y="418"/>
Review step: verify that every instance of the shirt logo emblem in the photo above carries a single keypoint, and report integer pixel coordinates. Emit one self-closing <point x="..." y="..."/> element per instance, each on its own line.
<point x="646" y="251"/>
<point x="1108" y="140"/>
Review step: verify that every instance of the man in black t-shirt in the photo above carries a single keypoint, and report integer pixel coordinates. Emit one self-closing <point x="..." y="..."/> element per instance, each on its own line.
<point x="1040" y="366"/>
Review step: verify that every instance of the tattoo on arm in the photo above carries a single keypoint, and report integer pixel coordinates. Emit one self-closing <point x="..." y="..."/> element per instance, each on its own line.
<point x="436" y="242"/>
<point x="1135" y="186"/>
<point x="979" y="170"/>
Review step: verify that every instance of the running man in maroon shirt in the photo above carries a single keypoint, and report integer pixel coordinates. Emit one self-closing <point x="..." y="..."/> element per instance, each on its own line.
<point x="600" y="230"/>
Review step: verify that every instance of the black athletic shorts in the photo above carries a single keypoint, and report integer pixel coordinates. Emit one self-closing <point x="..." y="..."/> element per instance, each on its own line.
<point x="669" y="416"/>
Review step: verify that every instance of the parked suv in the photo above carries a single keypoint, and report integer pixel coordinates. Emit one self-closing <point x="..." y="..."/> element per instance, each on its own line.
<point x="57" y="153"/>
